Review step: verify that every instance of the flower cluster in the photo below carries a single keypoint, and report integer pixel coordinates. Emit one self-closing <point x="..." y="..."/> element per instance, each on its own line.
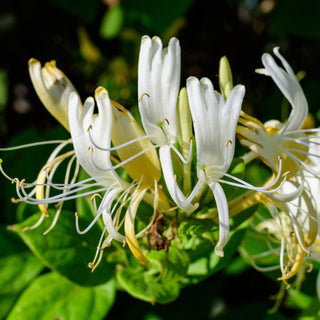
<point x="180" y="160"/>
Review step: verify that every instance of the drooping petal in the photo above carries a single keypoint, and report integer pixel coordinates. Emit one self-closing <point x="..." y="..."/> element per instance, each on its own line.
<point x="129" y="225"/>
<point x="290" y="87"/>
<point x="223" y="212"/>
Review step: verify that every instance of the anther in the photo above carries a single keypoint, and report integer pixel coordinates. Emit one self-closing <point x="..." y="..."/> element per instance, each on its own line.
<point x="190" y="139"/>
<point x="286" y="174"/>
<point x="165" y="120"/>
<point x="96" y="195"/>
<point x="15" y="180"/>
<point x="76" y="214"/>
<point x="144" y="94"/>
<point x="21" y="183"/>
<point x="228" y="142"/>
<point x="13" y="200"/>
<point x="90" y="149"/>
<point x="310" y="268"/>
<point x="89" y="128"/>
<point x="175" y="178"/>
<point x="124" y="243"/>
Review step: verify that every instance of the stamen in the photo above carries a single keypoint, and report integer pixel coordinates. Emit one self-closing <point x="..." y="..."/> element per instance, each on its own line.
<point x="92" y="223"/>
<point x="123" y="145"/>
<point x="180" y="155"/>
<point x="119" y="165"/>
<point x="36" y="225"/>
<point x="35" y="144"/>
<point x="243" y="184"/>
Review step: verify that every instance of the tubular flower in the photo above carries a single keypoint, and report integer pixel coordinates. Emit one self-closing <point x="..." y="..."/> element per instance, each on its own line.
<point x="290" y="141"/>
<point x="214" y="121"/>
<point x="92" y="135"/>
<point x="158" y="89"/>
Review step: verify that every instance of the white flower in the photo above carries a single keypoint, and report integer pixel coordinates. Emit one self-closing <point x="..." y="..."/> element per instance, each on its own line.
<point x="91" y="135"/>
<point x="158" y="88"/>
<point x="214" y="122"/>
<point x="289" y="141"/>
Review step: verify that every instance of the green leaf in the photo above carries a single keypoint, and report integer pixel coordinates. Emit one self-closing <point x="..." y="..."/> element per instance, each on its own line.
<point x="204" y="261"/>
<point x="18" y="266"/>
<point x="111" y="23"/>
<point x="144" y="286"/>
<point x="64" y="250"/>
<point x="51" y="296"/>
<point x="160" y="280"/>
<point x="173" y="264"/>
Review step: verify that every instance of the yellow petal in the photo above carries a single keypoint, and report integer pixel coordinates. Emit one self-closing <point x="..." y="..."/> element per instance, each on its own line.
<point x="129" y="225"/>
<point x="146" y="167"/>
<point x="53" y="89"/>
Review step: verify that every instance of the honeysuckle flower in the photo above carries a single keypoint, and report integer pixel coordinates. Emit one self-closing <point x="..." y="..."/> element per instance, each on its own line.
<point x="91" y="136"/>
<point x="158" y="89"/>
<point x="214" y="121"/>
<point x="294" y="144"/>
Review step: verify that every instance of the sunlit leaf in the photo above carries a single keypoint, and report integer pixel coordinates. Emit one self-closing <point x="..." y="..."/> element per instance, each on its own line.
<point x="204" y="261"/>
<point x="51" y="296"/>
<point x="173" y="264"/>
<point x="145" y="286"/>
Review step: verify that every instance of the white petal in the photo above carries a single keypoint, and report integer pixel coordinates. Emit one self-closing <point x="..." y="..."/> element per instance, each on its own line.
<point x="177" y="195"/>
<point x="96" y="162"/>
<point x="158" y="87"/>
<point x="290" y="87"/>
<point x="223" y="212"/>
